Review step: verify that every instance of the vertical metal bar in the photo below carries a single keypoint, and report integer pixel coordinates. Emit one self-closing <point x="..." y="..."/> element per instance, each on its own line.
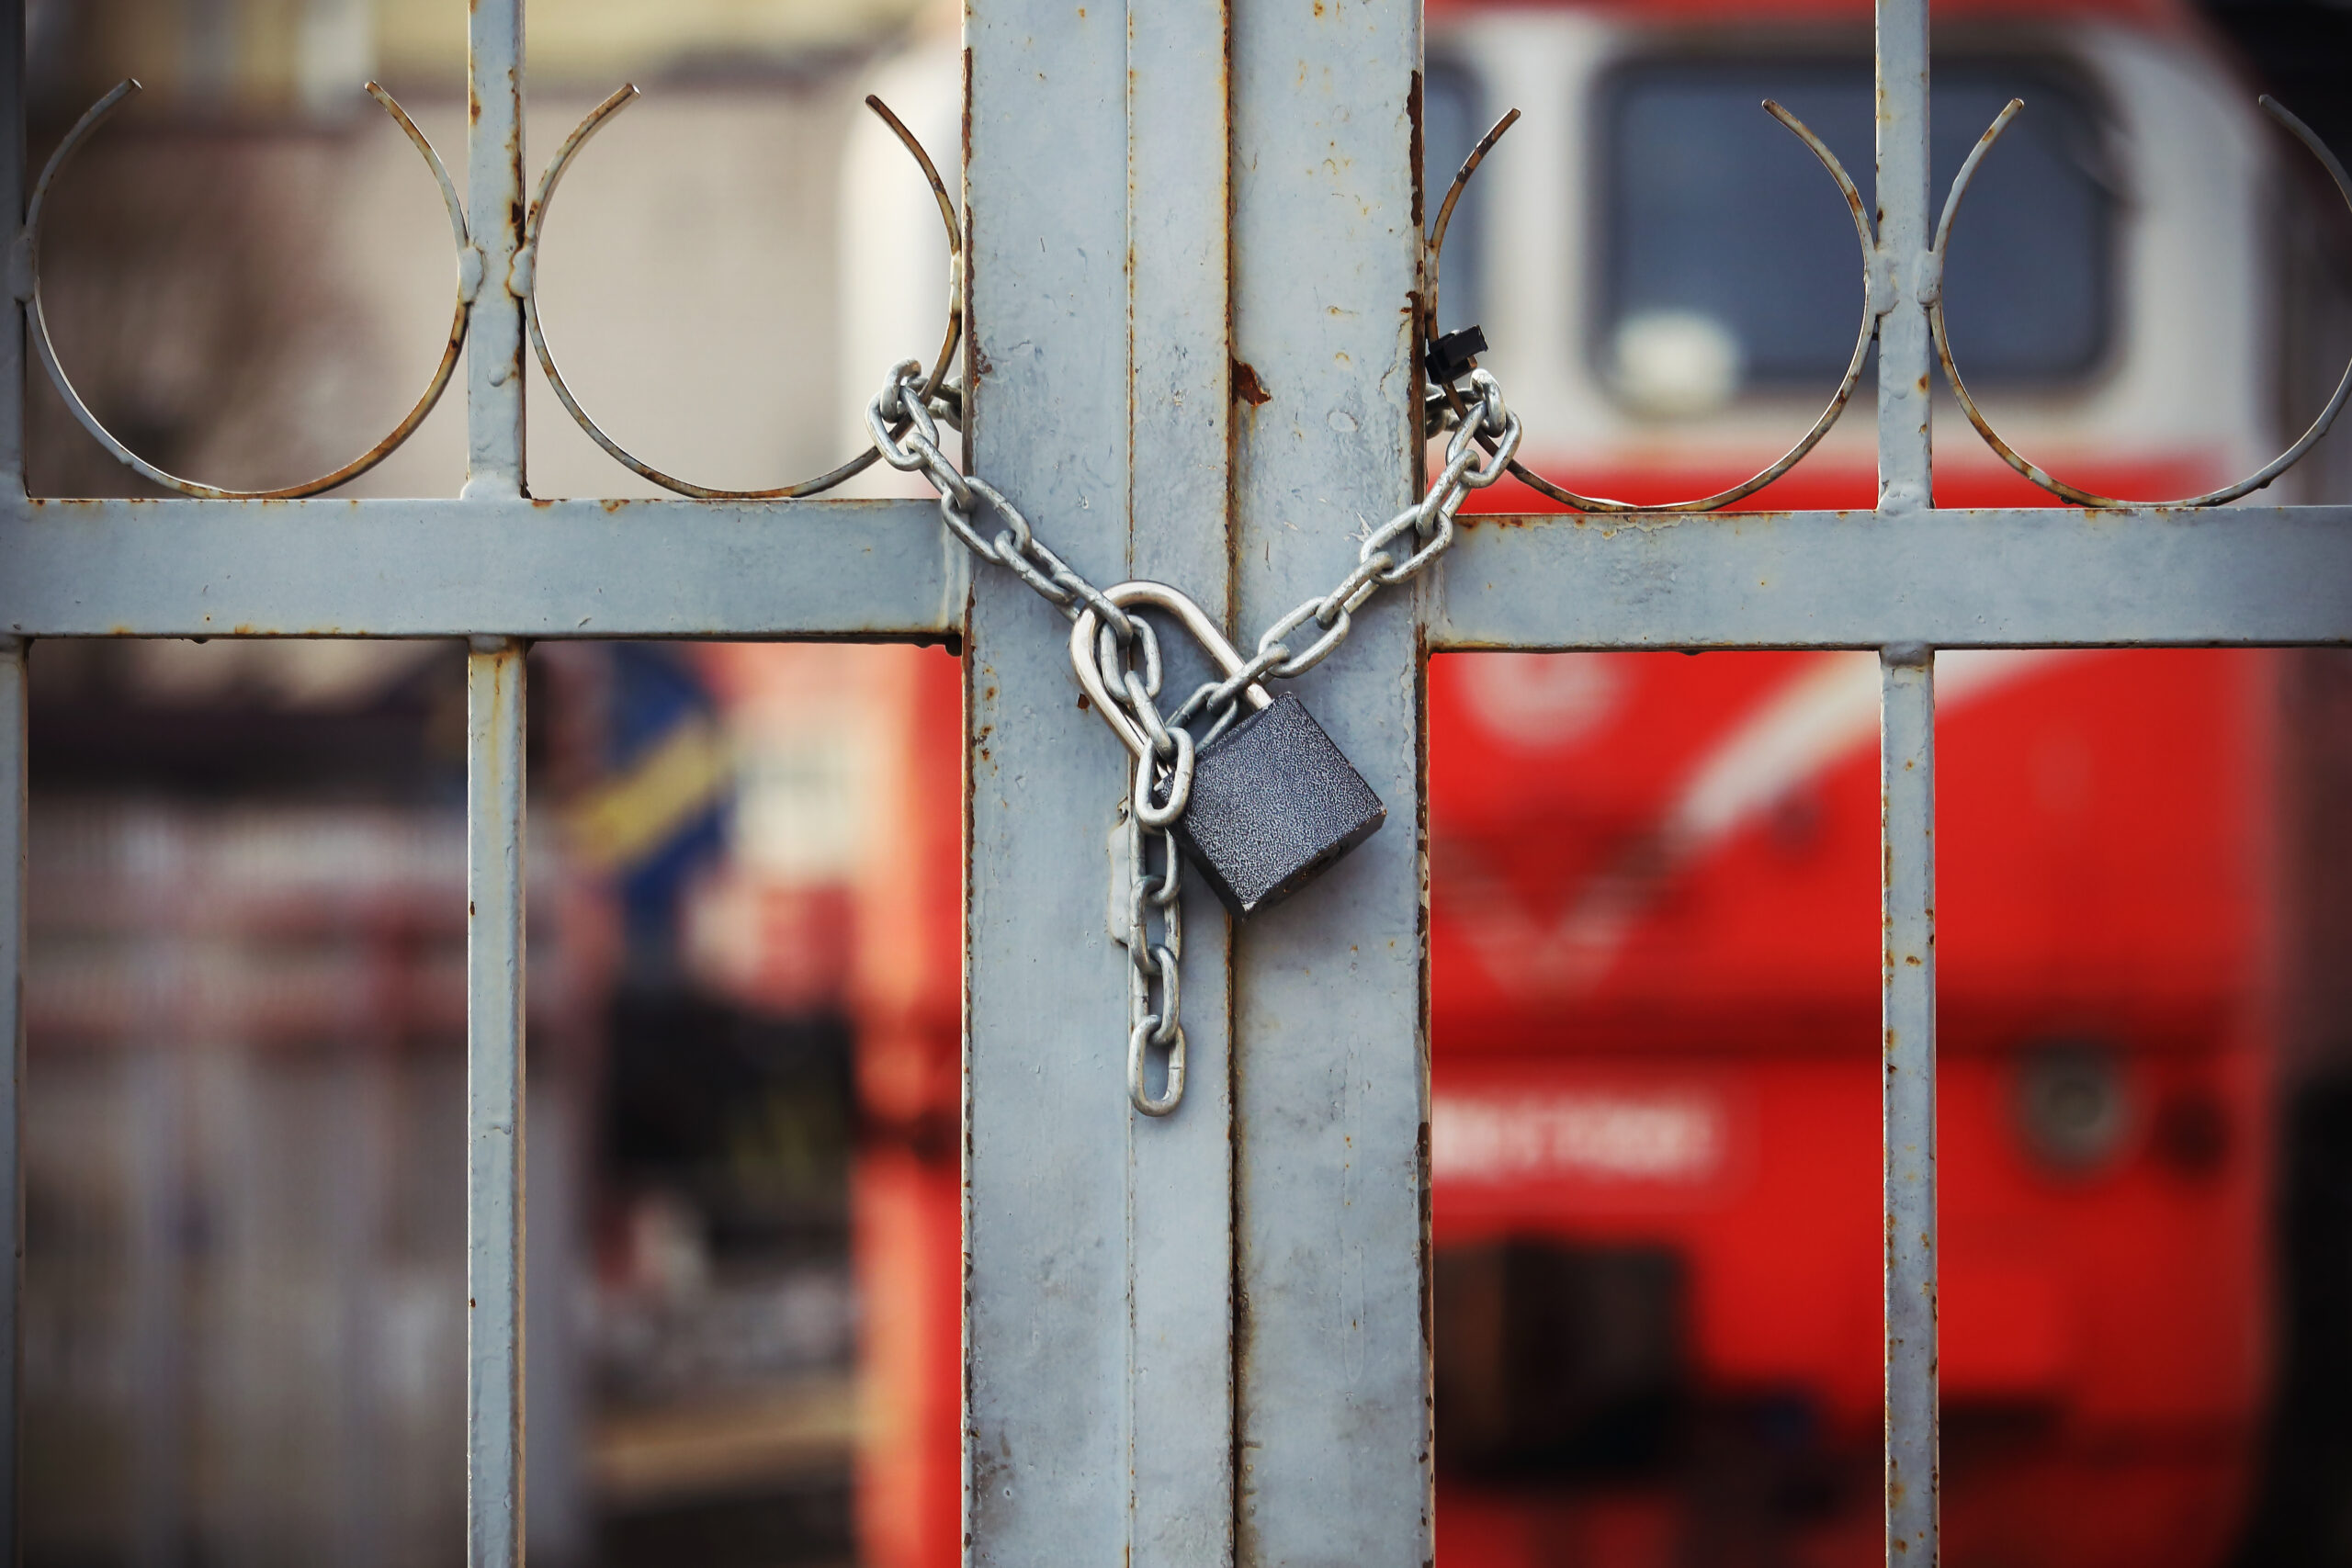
<point x="1904" y="361"/>
<point x="1907" y="794"/>
<point x="1907" y="801"/>
<point x="12" y="1031"/>
<point x="495" y="1103"/>
<point x="494" y="214"/>
<point x="13" y="738"/>
<point x="1046" y="1115"/>
<point x="1332" y="1096"/>
<point x="1099" y="1277"/>
<point x="11" y="217"/>
<point x="495" y="715"/>
<point x="1179" y="1195"/>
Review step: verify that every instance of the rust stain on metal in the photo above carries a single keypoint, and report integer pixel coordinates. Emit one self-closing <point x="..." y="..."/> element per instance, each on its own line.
<point x="1247" y="388"/>
<point x="1413" y="114"/>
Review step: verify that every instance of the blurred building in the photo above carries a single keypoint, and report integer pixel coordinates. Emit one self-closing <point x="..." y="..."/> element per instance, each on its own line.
<point x="245" y="1019"/>
<point x="246" y="1272"/>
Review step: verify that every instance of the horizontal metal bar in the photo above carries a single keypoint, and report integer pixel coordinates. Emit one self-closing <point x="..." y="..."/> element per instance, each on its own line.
<point x="2050" y="578"/>
<point x="878" y="570"/>
<point x="884" y="569"/>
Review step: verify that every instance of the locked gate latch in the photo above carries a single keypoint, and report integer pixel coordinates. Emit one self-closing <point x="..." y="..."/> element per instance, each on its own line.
<point x="1271" y="801"/>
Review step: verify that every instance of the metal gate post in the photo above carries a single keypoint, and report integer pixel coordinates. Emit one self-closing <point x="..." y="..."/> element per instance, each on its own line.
<point x="12" y="1088"/>
<point x="1334" y="1099"/>
<point x="494" y="823"/>
<point x="1907" y="786"/>
<point x="1907" y="801"/>
<point x="494" y="1131"/>
<point x="1098" y="1300"/>
<point x="1180" y="1196"/>
<point x="12" y="812"/>
<point x="494" y="218"/>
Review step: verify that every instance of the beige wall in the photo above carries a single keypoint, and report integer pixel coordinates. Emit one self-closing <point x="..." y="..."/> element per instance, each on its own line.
<point x="270" y="57"/>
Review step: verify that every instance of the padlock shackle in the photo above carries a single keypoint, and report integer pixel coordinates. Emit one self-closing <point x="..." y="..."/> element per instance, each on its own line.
<point x="1195" y="620"/>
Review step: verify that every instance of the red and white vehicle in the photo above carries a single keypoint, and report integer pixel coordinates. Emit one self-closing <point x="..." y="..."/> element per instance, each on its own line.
<point x="1655" y="1136"/>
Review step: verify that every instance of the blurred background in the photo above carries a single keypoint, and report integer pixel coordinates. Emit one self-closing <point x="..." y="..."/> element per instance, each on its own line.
<point x="1654" y="1008"/>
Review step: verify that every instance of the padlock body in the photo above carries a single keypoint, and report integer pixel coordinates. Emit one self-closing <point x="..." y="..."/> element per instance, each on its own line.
<point x="1273" y="803"/>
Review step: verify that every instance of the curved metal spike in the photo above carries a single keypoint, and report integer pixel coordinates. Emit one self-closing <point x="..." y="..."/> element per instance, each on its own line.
<point x="2042" y="477"/>
<point x="37" y="321"/>
<point x="528" y="258"/>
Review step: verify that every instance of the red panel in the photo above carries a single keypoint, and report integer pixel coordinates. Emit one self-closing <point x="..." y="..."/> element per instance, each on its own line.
<point x="907" y="1223"/>
<point x="1655" y="1009"/>
<point x="1819" y="485"/>
<point x="1657" y="847"/>
<point x="2145" y="15"/>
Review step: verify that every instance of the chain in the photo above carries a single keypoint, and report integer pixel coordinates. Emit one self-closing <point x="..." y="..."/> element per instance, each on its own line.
<point x="906" y="431"/>
<point x="1431" y="526"/>
<point x="1151" y="963"/>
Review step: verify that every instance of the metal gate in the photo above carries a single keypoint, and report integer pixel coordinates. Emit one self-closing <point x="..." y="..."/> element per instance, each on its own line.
<point x="1203" y="1338"/>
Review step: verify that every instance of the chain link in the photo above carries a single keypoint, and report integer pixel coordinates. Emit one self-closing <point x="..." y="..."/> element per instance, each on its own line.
<point x="1127" y="654"/>
<point x="1153" y="962"/>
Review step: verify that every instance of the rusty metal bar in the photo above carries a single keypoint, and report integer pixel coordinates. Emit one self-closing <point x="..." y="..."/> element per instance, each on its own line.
<point x="494" y="1141"/>
<point x="1332" y="1103"/>
<point x="1049" y="1283"/>
<point x="1905" y="283"/>
<point x="1903" y="269"/>
<point x="493" y="214"/>
<point x="879" y="570"/>
<point x="1907" y="786"/>
<point x="1179" y="1175"/>
<point x="2023" y="578"/>
<point x="12" y="217"/>
<point x="12" y="1088"/>
<point x="885" y="571"/>
<point x="495" y="759"/>
<point x="13" y="737"/>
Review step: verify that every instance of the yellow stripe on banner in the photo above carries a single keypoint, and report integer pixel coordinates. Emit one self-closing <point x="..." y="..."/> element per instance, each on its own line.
<point x="629" y="817"/>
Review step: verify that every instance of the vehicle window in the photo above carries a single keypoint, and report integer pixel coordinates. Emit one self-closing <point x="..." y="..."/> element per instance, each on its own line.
<point x="1452" y="121"/>
<point x="1729" y="256"/>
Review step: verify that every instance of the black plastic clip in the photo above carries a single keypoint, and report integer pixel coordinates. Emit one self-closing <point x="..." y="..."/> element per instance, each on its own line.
<point x="1454" y="355"/>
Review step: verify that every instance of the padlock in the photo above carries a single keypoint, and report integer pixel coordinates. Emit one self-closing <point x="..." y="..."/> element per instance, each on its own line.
<point x="1272" y="801"/>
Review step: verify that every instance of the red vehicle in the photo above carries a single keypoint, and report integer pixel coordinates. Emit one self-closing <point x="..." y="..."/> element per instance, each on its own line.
<point x="1654" y="878"/>
<point x="1656" y="1133"/>
<point x="1655" y="886"/>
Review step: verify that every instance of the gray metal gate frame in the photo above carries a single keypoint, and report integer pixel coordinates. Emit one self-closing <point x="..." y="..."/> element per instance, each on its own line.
<point x="1205" y="1339"/>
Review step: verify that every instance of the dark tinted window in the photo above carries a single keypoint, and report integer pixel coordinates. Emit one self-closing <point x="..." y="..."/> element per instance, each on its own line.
<point x="1728" y="253"/>
<point x="1453" y="119"/>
